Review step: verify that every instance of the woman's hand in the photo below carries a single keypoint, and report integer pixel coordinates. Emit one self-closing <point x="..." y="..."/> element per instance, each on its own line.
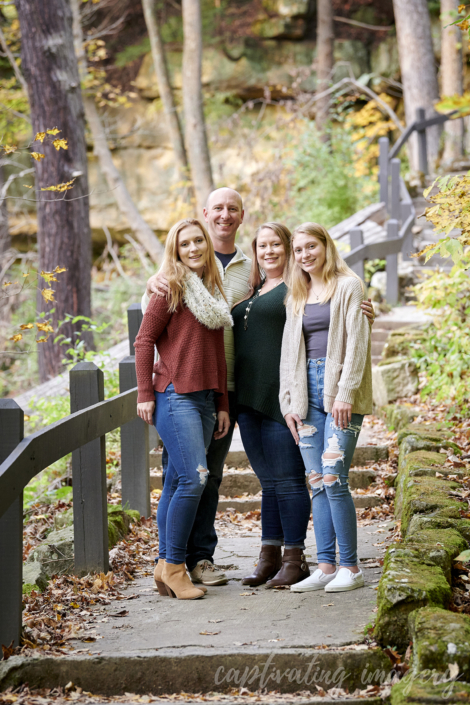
<point x="222" y="425"/>
<point x="157" y="284"/>
<point x="341" y="413"/>
<point x="145" y="410"/>
<point x="368" y="310"/>
<point x="292" y="421"/>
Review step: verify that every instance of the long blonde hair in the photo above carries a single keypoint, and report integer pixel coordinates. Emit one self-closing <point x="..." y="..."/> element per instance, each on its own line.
<point x="256" y="273"/>
<point x="176" y="272"/>
<point x="333" y="268"/>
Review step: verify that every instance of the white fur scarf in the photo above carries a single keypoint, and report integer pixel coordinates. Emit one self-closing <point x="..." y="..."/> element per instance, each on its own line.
<point x="212" y="311"/>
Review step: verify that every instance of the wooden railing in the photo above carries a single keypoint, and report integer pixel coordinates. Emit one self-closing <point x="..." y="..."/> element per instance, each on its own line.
<point x="82" y="434"/>
<point x="399" y="205"/>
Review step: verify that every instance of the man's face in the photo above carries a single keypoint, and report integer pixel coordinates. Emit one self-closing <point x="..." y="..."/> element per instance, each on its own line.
<point x="224" y="214"/>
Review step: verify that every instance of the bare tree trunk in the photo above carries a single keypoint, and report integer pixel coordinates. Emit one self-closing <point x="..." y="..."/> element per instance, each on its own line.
<point x="196" y="137"/>
<point x="126" y="205"/>
<point x="5" y="240"/>
<point x="166" y="94"/>
<point x="64" y="238"/>
<point x="451" y="77"/>
<point x="418" y="69"/>
<point x="325" y="59"/>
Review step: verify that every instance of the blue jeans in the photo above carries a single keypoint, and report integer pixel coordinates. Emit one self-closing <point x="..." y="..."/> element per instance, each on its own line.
<point x="203" y="537"/>
<point x="277" y="462"/>
<point x="185" y="423"/>
<point x="333" y="511"/>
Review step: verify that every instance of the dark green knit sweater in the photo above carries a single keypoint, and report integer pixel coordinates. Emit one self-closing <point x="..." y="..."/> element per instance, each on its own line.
<point x="258" y="351"/>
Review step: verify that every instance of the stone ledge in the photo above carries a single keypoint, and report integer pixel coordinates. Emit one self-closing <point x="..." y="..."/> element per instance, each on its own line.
<point x="196" y="670"/>
<point x="415" y="691"/>
<point x="440" y="637"/>
<point x="409" y="581"/>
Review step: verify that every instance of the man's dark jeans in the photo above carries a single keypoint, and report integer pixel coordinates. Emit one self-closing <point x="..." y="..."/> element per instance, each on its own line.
<point x="203" y="537"/>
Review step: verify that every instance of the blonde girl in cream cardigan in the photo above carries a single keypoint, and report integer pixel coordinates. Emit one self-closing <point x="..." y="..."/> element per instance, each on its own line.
<point x="326" y="389"/>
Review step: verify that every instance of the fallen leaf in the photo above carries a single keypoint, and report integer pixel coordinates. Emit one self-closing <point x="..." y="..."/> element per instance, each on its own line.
<point x="453" y="670"/>
<point x="122" y="613"/>
<point x="330" y="604"/>
<point x="7" y="651"/>
<point x="209" y="633"/>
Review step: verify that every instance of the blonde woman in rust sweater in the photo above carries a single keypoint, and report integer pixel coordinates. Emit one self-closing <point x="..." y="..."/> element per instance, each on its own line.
<point x="186" y="391"/>
<point x="326" y="389"/>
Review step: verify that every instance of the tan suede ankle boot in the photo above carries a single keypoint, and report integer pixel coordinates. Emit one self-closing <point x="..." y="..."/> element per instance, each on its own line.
<point x="157" y="576"/>
<point x="178" y="584"/>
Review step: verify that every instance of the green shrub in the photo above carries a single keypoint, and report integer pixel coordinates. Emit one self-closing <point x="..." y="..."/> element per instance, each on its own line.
<point x="444" y="353"/>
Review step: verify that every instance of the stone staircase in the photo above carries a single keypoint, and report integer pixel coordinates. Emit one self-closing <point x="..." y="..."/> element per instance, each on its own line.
<point x="399" y="317"/>
<point x="241" y="490"/>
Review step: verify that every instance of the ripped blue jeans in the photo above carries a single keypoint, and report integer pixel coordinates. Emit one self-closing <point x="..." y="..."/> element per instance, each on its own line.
<point x="185" y="423"/>
<point x="333" y="511"/>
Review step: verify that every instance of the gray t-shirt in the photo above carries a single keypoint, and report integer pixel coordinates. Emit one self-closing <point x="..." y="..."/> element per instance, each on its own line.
<point x="315" y="324"/>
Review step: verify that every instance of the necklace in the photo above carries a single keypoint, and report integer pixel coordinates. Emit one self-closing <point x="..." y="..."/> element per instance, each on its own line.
<point x="317" y="296"/>
<point x="252" y="300"/>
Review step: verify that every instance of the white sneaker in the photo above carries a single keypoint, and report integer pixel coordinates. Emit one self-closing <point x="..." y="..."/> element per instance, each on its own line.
<point x="317" y="581"/>
<point x="207" y="573"/>
<point x="346" y="580"/>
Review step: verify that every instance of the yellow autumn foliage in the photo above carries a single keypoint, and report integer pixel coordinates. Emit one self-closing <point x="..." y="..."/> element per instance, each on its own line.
<point x="37" y="156"/>
<point x="60" y="187"/>
<point x="48" y="294"/>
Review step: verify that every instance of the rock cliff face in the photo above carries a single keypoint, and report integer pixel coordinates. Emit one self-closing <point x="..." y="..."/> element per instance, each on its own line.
<point x="276" y="59"/>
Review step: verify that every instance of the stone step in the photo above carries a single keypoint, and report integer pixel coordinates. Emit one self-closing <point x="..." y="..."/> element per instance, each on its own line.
<point x="376" y="347"/>
<point x="379" y="334"/>
<point x="250" y="504"/>
<point x="238" y="458"/>
<point x="243" y="482"/>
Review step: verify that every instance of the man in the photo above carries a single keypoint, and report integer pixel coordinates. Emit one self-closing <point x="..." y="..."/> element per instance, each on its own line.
<point x="223" y="215"/>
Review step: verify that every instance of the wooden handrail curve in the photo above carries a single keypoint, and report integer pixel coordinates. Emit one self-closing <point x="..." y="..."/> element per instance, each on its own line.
<point x="41" y="449"/>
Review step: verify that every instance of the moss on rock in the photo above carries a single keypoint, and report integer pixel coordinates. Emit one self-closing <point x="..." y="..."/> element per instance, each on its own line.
<point x="407" y="583"/>
<point x="433" y="432"/>
<point x="399" y="341"/>
<point x="429" y="689"/>
<point x="397" y="416"/>
<point x="119" y="521"/>
<point x="440" y="546"/>
<point x="436" y="521"/>
<point x="440" y="637"/>
<point x="427" y="495"/>
<point x="410" y="465"/>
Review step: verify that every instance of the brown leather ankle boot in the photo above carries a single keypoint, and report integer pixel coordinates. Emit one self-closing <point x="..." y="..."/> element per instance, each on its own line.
<point x="269" y="562"/>
<point x="294" y="568"/>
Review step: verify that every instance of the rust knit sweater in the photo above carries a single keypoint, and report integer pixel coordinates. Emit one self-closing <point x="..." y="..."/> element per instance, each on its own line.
<point x="191" y="356"/>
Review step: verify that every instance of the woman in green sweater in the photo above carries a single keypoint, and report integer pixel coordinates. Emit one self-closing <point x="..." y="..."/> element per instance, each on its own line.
<point x="258" y="327"/>
<point x="259" y="321"/>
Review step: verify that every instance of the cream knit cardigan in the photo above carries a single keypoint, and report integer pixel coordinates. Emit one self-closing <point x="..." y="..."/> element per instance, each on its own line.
<point x="348" y="374"/>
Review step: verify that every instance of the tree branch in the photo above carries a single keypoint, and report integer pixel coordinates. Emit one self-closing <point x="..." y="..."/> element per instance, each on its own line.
<point x="113" y="254"/>
<point x="14" y="65"/>
<point x="355" y="23"/>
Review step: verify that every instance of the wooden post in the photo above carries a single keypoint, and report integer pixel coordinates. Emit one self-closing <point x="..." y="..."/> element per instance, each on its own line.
<point x="90" y="518"/>
<point x="407" y="248"/>
<point x="11" y="533"/>
<point x="134" y="319"/>
<point x="422" y="143"/>
<point x="392" y="266"/>
<point x="395" y="212"/>
<point x="135" y="472"/>
<point x="356" y="239"/>
<point x="383" y="169"/>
